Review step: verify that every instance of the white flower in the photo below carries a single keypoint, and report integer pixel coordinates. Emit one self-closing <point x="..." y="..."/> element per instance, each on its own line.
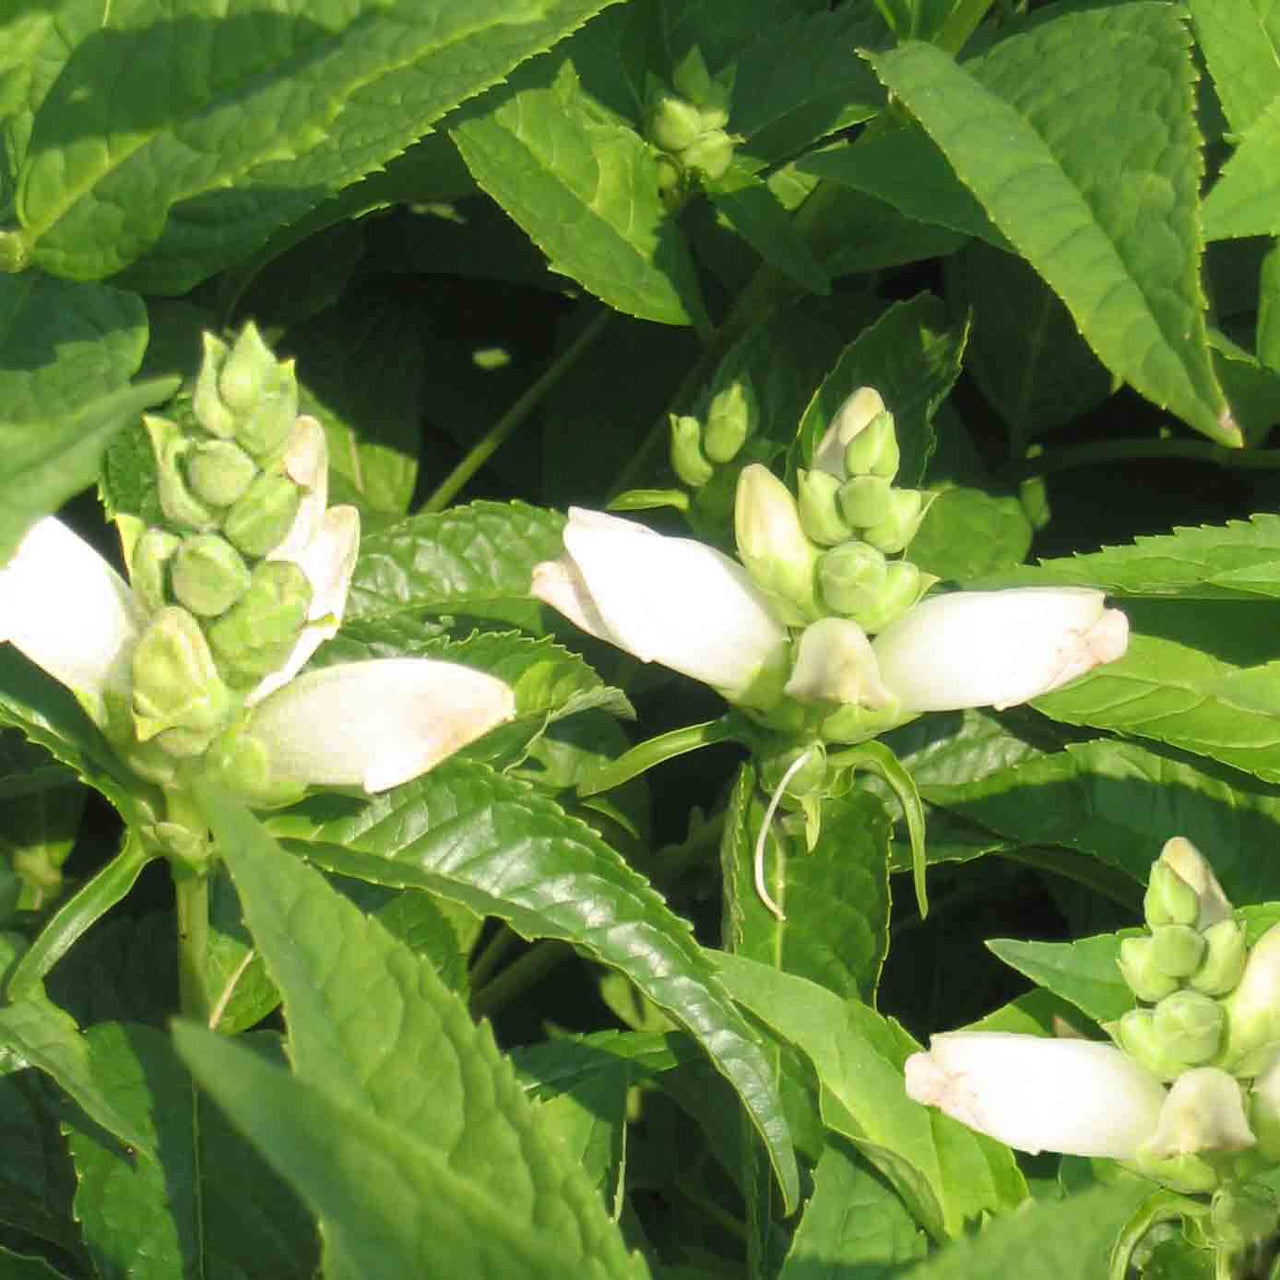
<point x="1203" y="1112"/>
<point x="834" y="663"/>
<point x="375" y="724"/>
<point x="669" y="600"/>
<point x="853" y="416"/>
<point x="70" y="612"/>
<point x="1080" y="1097"/>
<point x="1189" y="863"/>
<point x="996" y="648"/>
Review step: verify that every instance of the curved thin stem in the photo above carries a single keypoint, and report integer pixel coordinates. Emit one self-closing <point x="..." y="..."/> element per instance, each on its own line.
<point x="766" y="825"/>
<point x="519" y="976"/>
<point x="497" y="435"/>
<point x="665" y="746"/>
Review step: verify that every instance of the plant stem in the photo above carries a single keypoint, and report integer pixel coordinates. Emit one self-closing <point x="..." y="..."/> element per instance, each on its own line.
<point x="191" y="890"/>
<point x="1086" y="455"/>
<point x="645" y="755"/>
<point x="491" y="955"/>
<point x="496" y="436"/>
<point x="518" y="976"/>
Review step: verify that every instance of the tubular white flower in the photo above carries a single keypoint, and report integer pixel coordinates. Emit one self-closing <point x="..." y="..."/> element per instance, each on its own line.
<point x="848" y="421"/>
<point x="376" y="724"/>
<point x="669" y="600"/>
<point x="1180" y="854"/>
<point x="835" y="663"/>
<point x="996" y="648"/>
<point x="1080" y="1097"/>
<point x="70" y="612"/>
<point x="1203" y="1112"/>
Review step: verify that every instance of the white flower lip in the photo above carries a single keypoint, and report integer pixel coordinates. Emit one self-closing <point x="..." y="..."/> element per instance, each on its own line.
<point x="70" y="612"/>
<point x="1080" y="1097"/>
<point x="675" y="601"/>
<point x="1203" y="1112"/>
<point x="376" y="724"/>
<point x="997" y="648"/>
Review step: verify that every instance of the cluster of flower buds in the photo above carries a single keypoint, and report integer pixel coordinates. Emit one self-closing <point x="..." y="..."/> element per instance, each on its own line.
<point x="687" y="124"/>
<point x="697" y="447"/>
<point x="1189" y="1093"/>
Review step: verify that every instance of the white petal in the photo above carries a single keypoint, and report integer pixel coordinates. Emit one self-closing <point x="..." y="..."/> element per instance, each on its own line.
<point x="559" y="584"/>
<point x="1080" y="1097"/>
<point x="306" y="463"/>
<point x="376" y="724"/>
<point x="1191" y="865"/>
<point x="852" y="416"/>
<point x="328" y="560"/>
<point x="996" y="648"/>
<point x="69" y="611"/>
<point x="1203" y="1112"/>
<point x="673" y="600"/>
<point x="835" y="663"/>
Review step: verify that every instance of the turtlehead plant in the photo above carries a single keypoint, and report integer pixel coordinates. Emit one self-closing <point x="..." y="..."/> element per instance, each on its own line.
<point x="1187" y="1092"/>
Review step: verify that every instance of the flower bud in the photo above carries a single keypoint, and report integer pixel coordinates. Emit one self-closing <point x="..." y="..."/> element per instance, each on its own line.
<point x="176" y="684"/>
<point x="851" y="577"/>
<point x="1253" y="1008"/>
<point x="835" y="663"/>
<point x="670" y="182"/>
<point x="219" y="472"/>
<point x="1177" y="950"/>
<point x="1203" y="1112"/>
<point x="866" y="501"/>
<point x="180" y="505"/>
<point x="256" y="635"/>
<point x="819" y="505"/>
<point x="241" y="762"/>
<point x="731" y="419"/>
<point x="687" y="459"/>
<point x="874" y="450"/>
<point x="711" y="155"/>
<point x="1190" y="1025"/>
<point x="1184" y="858"/>
<point x="904" y="584"/>
<point x="266" y="427"/>
<point x="207" y="575"/>
<point x="1142" y="975"/>
<point x="1169" y="898"/>
<point x="772" y="545"/>
<point x="149" y="567"/>
<point x="1136" y="1033"/>
<point x="895" y="531"/>
<point x="861" y="408"/>
<point x="674" y="123"/>
<point x="246" y="372"/>
<point x="206" y="402"/>
<point x="261" y="520"/>
<point x="1225" y="953"/>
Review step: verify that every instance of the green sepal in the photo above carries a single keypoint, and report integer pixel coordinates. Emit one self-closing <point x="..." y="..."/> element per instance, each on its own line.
<point x="255" y="636"/>
<point x="220" y="472"/>
<point x="176" y="685"/>
<point x="687" y="459"/>
<point x="207" y="575"/>
<point x="260" y="521"/>
<point x="179" y="504"/>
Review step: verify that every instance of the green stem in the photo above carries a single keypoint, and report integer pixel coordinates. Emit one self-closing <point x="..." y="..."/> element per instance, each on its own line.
<point x="491" y="955"/>
<point x="191" y="889"/>
<point x="519" y="976"/>
<point x="666" y="746"/>
<point x="497" y="435"/>
<point x="1086" y="455"/>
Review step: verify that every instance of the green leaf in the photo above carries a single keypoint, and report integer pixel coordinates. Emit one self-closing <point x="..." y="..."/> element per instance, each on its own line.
<point x="476" y="560"/>
<point x="377" y="1077"/>
<point x="1245" y="200"/>
<point x="967" y="532"/>
<point x="1053" y="1240"/>
<point x="39" y="1034"/>
<point x="67" y="353"/>
<point x="747" y="205"/>
<point x="1240" y="41"/>
<point x="208" y="1206"/>
<point x="392" y="1206"/>
<point x="853" y="1226"/>
<point x="945" y="1172"/>
<point x="1083" y="972"/>
<point x="912" y="357"/>
<point x="197" y="171"/>
<point x="1025" y="351"/>
<point x="835" y="895"/>
<point x="18" y="1266"/>
<point x="584" y="186"/>
<point x="502" y="849"/>
<point x="1119" y="801"/>
<point x="1020" y="128"/>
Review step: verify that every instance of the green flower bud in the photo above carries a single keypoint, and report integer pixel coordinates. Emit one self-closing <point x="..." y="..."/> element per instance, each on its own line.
<point x="207" y="575"/>
<point x="811" y="777"/>
<point x="1142" y="975"/>
<point x="904" y="584"/>
<point x="1139" y="1035"/>
<point x="1191" y="1026"/>
<point x="854" y="416"/>
<point x="255" y="636"/>
<point x="711" y="155"/>
<point x="874" y="450"/>
<point x="207" y="404"/>
<point x="674" y="122"/>
<point x="731" y="419"/>
<point x="820" y="516"/>
<point x="247" y="372"/>
<point x="149" y="566"/>
<point x="866" y="501"/>
<point x="1223" y="964"/>
<point x="241" y="762"/>
<point x="851" y="578"/>
<point x="1169" y="898"/>
<point x="773" y="546"/>
<point x="670" y="181"/>
<point x="176" y="684"/>
<point x="687" y="458"/>
<point x="265" y="428"/>
<point x="219" y="472"/>
<point x="258" y="523"/>
<point x="180" y="505"/>
<point x="895" y="531"/>
<point x="1177" y="950"/>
